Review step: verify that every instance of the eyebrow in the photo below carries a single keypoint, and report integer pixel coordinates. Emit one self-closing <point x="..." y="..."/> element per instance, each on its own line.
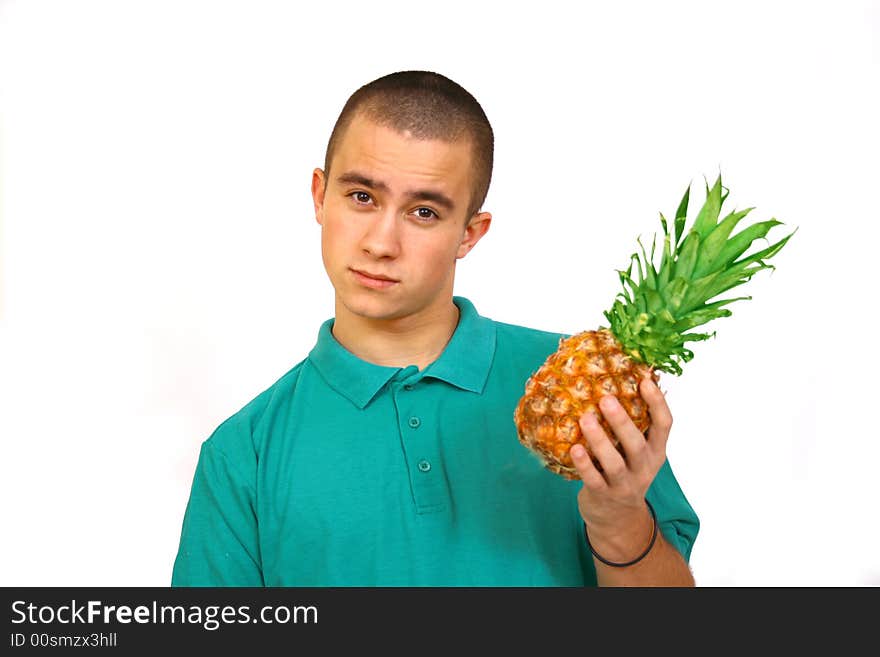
<point x="355" y="178"/>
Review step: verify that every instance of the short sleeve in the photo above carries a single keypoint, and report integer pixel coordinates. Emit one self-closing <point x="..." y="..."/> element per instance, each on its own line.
<point x="676" y="518"/>
<point x="219" y="543"/>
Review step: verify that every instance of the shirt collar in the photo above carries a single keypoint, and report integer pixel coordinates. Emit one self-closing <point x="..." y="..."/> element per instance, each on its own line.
<point x="464" y="363"/>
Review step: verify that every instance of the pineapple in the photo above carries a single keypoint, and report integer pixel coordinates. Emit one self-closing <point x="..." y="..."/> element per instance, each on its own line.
<point x="649" y="323"/>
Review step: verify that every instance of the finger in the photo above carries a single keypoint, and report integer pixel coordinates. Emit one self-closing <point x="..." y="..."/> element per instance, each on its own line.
<point x="591" y="477"/>
<point x="610" y="460"/>
<point x="625" y="430"/>
<point x="661" y="416"/>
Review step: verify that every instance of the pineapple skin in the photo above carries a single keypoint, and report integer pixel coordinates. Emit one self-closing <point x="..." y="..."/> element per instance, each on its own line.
<point x="569" y="383"/>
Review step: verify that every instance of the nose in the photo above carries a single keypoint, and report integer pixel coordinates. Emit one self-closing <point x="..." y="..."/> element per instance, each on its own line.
<point x="381" y="239"/>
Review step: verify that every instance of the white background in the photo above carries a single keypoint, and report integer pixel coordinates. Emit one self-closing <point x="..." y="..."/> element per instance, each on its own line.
<point x="160" y="265"/>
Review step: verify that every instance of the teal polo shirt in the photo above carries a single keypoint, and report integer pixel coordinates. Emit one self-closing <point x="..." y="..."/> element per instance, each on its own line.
<point x="346" y="473"/>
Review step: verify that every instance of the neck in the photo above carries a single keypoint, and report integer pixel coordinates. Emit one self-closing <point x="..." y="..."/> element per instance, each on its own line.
<point x="413" y="340"/>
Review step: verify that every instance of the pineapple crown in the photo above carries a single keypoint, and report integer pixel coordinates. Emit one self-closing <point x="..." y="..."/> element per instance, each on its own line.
<point x="652" y="316"/>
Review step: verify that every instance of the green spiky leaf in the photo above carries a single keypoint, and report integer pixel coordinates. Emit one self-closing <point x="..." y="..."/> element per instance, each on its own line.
<point x="707" y="219"/>
<point x="652" y="314"/>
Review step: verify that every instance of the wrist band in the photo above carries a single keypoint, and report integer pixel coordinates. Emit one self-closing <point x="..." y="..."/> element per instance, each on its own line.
<point x="638" y="558"/>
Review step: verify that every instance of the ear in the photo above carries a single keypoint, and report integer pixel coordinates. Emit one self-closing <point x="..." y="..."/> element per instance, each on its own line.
<point x="319" y="186"/>
<point x="476" y="228"/>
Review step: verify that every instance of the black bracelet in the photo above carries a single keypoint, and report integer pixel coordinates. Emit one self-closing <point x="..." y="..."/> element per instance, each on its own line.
<point x="638" y="558"/>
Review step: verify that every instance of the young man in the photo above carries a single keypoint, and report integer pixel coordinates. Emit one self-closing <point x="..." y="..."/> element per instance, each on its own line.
<point x="389" y="456"/>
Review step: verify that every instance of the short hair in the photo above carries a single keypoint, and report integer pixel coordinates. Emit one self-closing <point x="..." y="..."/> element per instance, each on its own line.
<point x="429" y="106"/>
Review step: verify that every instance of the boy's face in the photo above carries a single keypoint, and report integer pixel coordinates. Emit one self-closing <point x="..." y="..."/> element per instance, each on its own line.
<point x="393" y="222"/>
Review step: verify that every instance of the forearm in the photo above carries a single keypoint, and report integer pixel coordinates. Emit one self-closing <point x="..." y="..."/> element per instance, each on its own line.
<point x="662" y="566"/>
<point x="643" y="557"/>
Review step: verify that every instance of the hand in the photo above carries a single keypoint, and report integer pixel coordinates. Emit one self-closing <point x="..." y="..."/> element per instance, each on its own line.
<point x="612" y="501"/>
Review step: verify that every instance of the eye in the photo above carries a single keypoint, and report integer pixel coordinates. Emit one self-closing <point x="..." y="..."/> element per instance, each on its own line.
<point x="361" y="198"/>
<point x="426" y="214"/>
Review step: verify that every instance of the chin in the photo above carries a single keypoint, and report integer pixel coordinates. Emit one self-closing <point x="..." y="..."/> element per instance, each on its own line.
<point x="368" y="306"/>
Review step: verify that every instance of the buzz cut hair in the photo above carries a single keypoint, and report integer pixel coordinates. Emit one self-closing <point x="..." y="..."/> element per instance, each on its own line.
<point x="428" y="106"/>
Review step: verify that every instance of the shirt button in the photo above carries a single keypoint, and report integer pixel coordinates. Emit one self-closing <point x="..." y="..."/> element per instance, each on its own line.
<point x="407" y="387"/>
<point x="424" y="465"/>
<point x="414" y="422"/>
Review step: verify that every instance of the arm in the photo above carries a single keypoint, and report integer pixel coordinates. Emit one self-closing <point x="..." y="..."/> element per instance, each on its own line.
<point x="612" y="504"/>
<point x="219" y="542"/>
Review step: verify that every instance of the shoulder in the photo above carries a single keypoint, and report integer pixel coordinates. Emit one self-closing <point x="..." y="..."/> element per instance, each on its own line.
<point x="520" y="350"/>
<point x="527" y="334"/>
<point x="238" y="435"/>
<point x="523" y="339"/>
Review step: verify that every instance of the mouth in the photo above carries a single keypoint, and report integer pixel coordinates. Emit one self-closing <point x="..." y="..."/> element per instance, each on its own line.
<point x="371" y="280"/>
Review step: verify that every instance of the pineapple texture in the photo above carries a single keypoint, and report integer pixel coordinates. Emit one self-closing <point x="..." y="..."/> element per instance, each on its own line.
<point x="650" y="322"/>
<point x="571" y="382"/>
